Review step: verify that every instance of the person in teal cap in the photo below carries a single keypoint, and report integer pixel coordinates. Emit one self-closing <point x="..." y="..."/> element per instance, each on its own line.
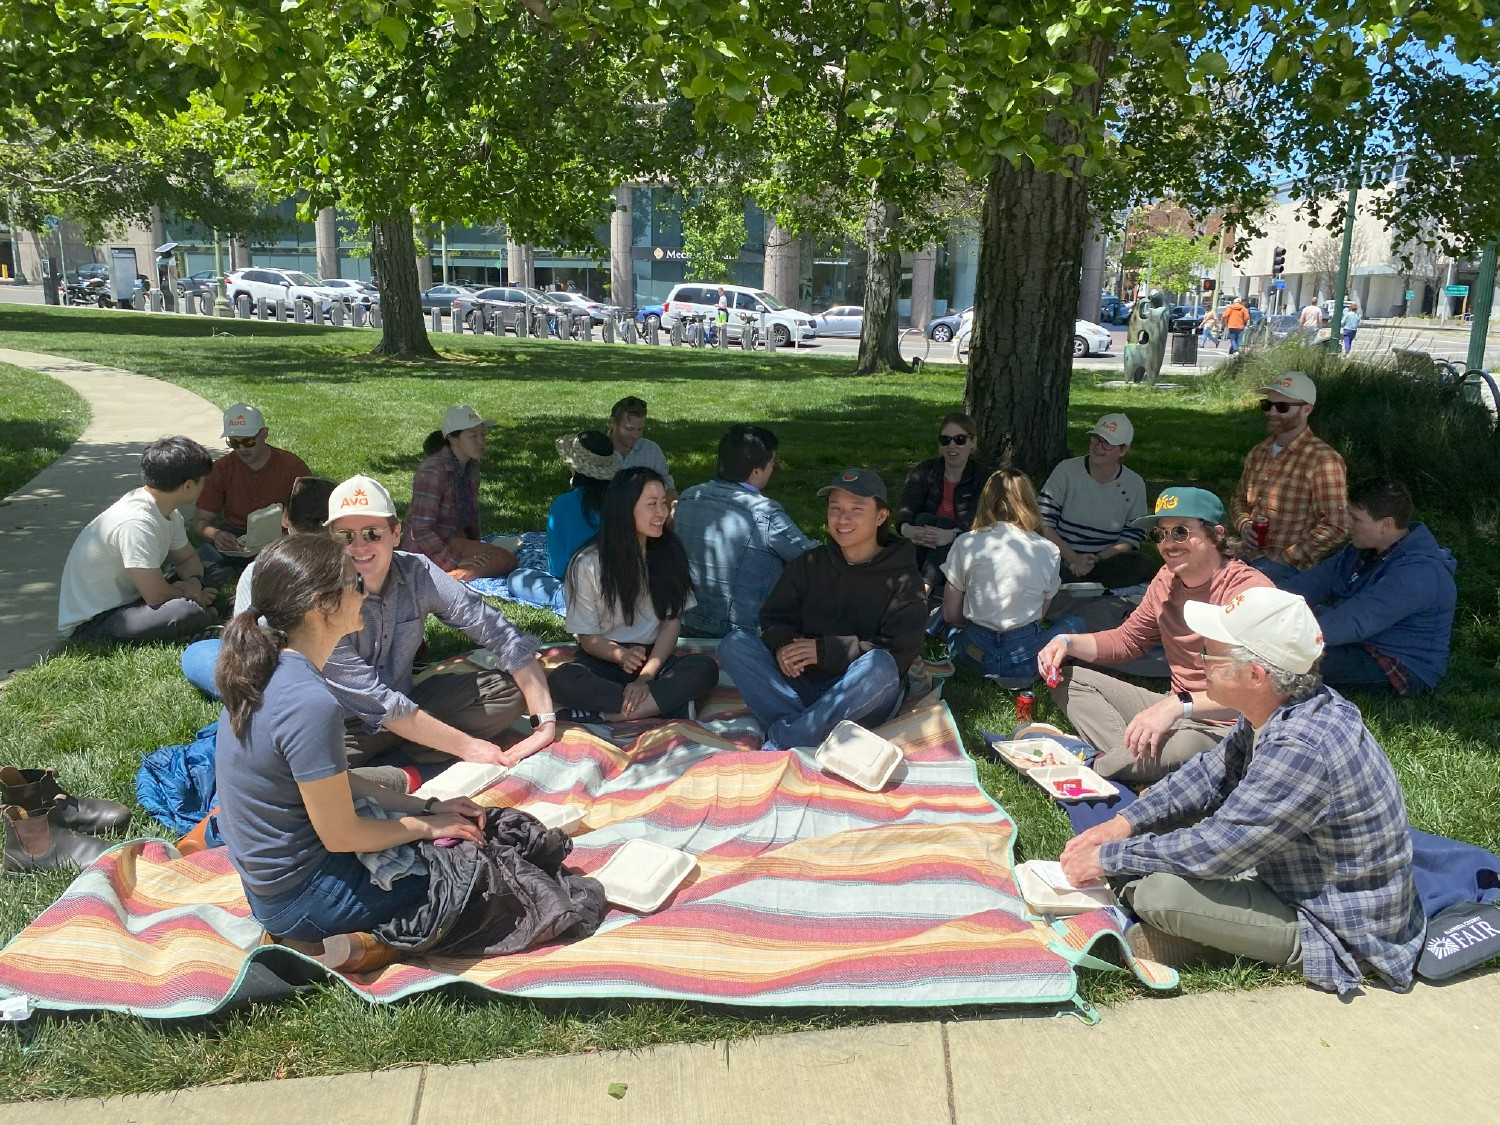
<point x="1142" y="735"/>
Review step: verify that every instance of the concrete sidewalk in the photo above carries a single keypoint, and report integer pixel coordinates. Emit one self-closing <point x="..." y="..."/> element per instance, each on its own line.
<point x="39" y="522"/>
<point x="1274" y="1055"/>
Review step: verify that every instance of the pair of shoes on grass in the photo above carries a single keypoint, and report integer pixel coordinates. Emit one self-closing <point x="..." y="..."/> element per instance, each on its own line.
<point x="1146" y="941"/>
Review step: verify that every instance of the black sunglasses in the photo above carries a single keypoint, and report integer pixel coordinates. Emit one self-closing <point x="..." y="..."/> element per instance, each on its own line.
<point x="1176" y="535"/>
<point x="241" y="442"/>
<point x="368" y="534"/>
<point x="955" y="439"/>
<point x="1266" y="406"/>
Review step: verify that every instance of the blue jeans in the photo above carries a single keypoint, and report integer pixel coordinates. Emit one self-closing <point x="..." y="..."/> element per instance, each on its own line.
<point x="1351" y="666"/>
<point x="802" y="711"/>
<point x="1234" y="335"/>
<point x="337" y="898"/>
<point x="1277" y="572"/>
<point x="1010" y="655"/>
<point x="198" y="661"/>
<point x="537" y="587"/>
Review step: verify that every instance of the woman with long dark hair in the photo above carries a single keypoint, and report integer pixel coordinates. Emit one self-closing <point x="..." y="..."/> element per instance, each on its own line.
<point x="442" y="521"/>
<point x="286" y="795"/>
<point x="938" y="501"/>
<point x="626" y="590"/>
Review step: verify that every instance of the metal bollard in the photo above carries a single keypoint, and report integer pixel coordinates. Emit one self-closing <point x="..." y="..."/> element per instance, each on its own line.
<point x="262" y="309"/>
<point x="243" y="306"/>
<point x="457" y="322"/>
<point x="375" y="315"/>
<point x="674" y="335"/>
<point x="628" y="330"/>
<point x="356" y="315"/>
<point x="158" y="302"/>
<point x="723" y="337"/>
<point x="205" y="304"/>
<point x="607" y="330"/>
<point x="436" y="320"/>
<point x="299" y="312"/>
<point x="523" y="321"/>
<point x="336" y="314"/>
<point x="587" y="328"/>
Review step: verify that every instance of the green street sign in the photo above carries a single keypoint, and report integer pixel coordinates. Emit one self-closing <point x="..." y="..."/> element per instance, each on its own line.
<point x="1411" y="294"/>
<point x="1455" y="290"/>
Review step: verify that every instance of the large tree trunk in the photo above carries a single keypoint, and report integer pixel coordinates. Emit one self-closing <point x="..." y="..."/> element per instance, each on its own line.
<point x="879" y="338"/>
<point x="782" y="274"/>
<point x="326" y="233"/>
<point x="1025" y="300"/>
<point x="402" y="334"/>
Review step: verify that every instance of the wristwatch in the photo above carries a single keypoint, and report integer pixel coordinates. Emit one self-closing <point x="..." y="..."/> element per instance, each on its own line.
<point x="1186" y="699"/>
<point x="427" y="806"/>
<point x="541" y="720"/>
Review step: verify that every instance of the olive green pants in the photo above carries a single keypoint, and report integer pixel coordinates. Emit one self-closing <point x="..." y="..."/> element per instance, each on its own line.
<point x="1240" y="916"/>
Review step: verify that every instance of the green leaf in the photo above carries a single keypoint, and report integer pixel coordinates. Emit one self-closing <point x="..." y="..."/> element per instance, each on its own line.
<point x="617" y="1090"/>
<point x="870" y="167"/>
<point x="395" y="30"/>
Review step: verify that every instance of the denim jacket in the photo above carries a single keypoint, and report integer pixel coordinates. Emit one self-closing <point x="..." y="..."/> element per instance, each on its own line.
<point x="737" y="542"/>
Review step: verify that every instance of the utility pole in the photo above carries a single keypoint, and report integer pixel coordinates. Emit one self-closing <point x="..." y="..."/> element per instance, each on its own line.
<point x="1484" y="294"/>
<point x="221" y="300"/>
<point x="445" y="253"/>
<point x="1342" y="285"/>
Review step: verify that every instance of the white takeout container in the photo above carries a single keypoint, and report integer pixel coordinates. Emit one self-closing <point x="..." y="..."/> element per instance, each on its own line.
<point x="1043" y="898"/>
<point x="641" y="875"/>
<point x="462" y="780"/>
<point x="857" y="755"/>
<point x="1036" y="753"/>
<point x="552" y="815"/>
<point x="1082" y="589"/>
<point x="1047" y="776"/>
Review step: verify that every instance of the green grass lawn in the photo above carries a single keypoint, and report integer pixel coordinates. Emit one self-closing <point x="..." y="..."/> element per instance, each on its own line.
<point x="94" y="712"/>
<point x="39" y="419"/>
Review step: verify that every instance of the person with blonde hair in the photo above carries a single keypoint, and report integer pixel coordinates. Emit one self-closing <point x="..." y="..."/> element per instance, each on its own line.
<point x="1001" y="576"/>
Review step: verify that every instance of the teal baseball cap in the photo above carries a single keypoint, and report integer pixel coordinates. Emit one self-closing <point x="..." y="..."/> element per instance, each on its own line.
<point x="1184" y="503"/>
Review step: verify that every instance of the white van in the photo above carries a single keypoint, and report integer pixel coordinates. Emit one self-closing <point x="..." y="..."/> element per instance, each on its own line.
<point x="753" y="305"/>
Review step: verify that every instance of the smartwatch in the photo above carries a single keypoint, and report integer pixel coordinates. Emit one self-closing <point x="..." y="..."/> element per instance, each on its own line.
<point x="1186" y="699"/>
<point x="427" y="806"/>
<point x="542" y="719"/>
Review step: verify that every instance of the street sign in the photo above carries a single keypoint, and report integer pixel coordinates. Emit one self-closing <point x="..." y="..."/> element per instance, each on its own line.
<point x="1278" y="283"/>
<point x="51" y="222"/>
<point x="1411" y="294"/>
<point x="1455" y="290"/>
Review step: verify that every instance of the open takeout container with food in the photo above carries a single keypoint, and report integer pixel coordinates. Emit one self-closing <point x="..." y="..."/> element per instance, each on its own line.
<point x="1047" y="891"/>
<point x="1035" y="753"/>
<point x="1071" y="782"/>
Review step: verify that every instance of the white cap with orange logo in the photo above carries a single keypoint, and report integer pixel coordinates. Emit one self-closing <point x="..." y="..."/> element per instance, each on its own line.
<point x="243" y="420"/>
<point x="1295" y="386"/>
<point x="360" y="496"/>
<point x="1115" y="429"/>
<point x="1271" y="623"/>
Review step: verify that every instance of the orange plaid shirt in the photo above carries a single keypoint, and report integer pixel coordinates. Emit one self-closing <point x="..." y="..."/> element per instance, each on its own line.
<point x="1303" y="492"/>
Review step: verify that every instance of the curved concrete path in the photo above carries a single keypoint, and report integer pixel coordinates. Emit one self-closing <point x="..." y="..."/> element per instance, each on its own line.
<point x="39" y="522"/>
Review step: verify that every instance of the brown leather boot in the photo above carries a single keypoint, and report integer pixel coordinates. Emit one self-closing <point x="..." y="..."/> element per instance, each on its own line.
<point x="39" y="789"/>
<point x="34" y="843"/>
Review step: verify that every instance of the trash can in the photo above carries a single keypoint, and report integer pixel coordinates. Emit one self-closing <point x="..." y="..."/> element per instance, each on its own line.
<point x="1185" y="348"/>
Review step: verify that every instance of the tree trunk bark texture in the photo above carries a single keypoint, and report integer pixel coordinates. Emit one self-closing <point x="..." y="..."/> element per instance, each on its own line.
<point x="402" y="333"/>
<point x="621" y="238"/>
<point x="923" y="278"/>
<point x="879" y="337"/>
<point x="1026" y="297"/>
<point x="326" y="233"/>
<point x="783" y="269"/>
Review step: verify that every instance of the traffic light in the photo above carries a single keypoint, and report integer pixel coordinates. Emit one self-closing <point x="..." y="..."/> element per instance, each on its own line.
<point x="1208" y="285"/>
<point x="1278" y="261"/>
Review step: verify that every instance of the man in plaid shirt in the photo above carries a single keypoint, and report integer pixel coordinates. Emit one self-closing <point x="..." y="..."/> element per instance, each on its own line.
<point x="1296" y="850"/>
<point x="1295" y="482"/>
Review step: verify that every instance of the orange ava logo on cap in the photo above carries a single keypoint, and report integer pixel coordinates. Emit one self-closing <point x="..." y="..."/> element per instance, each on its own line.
<point x="356" y="499"/>
<point x="1165" y="502"/>
<point x="360" y="496"/>
<point x="1111" y="426"/>
<point x="1234" y="603"/>
<point x="1284" y="381"/>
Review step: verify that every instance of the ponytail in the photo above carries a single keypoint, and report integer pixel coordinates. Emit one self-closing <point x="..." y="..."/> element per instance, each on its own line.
<point x="247" y="658"/>
<point x="436" y="442"/>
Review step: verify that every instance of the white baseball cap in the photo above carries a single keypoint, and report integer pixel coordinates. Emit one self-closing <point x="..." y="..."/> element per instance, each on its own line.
<point x="1271" y="623"/>
<point x="1115" y="429"/>
<point x="243" y="420"/>
<point x="360" y="496"/>
<point x="463" y="418"/>
<point x="1294" y="385"/>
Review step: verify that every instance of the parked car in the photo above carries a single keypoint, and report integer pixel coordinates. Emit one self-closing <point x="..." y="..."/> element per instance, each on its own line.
<point x="1112" y="310"/>
<point x="443" y="296"/>
<point x="292" y="286"/>
<point x="647" y="316"/>
<point x="577" y="303"/>
<point x="1090" y="338"/>
<point x="841" y="320"/>
<point x="504" y="299"/>
<point x="204" y="281"/>
<point x="944" y="328"/>
<point x="361" y="292"/>
<point x="759" y="307"/>
<point x="1186" y="318"/>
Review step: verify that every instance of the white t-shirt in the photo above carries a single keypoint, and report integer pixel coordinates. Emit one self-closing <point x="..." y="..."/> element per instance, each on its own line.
<point x="131" y="534"/>
<point x="242" y="589"/>
<point x="586" y="608"/>
<point x="646" y="452"/>
<point x="1006" y="575"/>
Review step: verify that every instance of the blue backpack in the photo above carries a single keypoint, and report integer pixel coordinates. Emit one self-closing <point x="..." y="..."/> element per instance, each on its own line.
<point x="176" y="784"/>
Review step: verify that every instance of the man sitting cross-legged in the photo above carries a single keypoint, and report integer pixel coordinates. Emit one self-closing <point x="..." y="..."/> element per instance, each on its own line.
<point x="1286" y="843"/>
<point x="113" y="586"/>
<point x="370" y="672"/>
<point x="840" y="629"/>
<point x="254" y="474"/>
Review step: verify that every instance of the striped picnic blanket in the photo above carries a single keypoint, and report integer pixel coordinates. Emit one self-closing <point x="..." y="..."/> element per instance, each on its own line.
<point x="808" y="891"/>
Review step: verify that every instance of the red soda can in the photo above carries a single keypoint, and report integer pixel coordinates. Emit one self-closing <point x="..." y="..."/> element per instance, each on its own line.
<point x="1261" y="526"/>
<point x="1054" y="675"/>
<point x="1025" y="701"/>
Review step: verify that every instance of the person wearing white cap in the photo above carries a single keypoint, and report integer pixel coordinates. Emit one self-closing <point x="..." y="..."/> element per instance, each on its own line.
<point x="442" y="520"/>
<point x="1088" y="504"/>
<point x="1297" y="851"/>
<point x="1290" y="507"/>
<point x="253" y="475"/>
<point x="453" y="715"/>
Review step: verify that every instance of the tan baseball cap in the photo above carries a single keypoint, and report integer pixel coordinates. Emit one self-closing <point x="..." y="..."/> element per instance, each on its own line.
<point x="1115" y="429"/>
<point x="1269" y="622"/>
<point x="463" y="418"/>
<point x="360" y="496"/>
<point x="1294" y="385"/>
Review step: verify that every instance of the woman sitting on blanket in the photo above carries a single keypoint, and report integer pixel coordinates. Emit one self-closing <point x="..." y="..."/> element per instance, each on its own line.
<point x="937" y="503"/>
<point x="442" y="521"/>
<point x="573" y="518"/>
<point x="1000" y="577"/>
<point x="286" y="795"/>
<point x="626" y="590"/>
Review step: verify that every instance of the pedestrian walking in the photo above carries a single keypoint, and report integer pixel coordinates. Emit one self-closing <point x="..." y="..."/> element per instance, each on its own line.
<point x="1349" y="326"/>
<point x="1235" y="318"/>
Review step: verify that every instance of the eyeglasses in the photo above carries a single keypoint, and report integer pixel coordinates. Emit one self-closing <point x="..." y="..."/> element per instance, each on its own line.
<point x="1266" y="406"/>
<point x="953" y="439"/>
<point x="241" y="442"/>
<point x="1205" y="657"/>
<point x="1095" y="438"/>
<point x="368" y="534"/>
<point x="1176" y="535"/>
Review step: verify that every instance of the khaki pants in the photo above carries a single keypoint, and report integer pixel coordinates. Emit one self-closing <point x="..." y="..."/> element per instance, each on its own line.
<point x="1100" y="707"/>
<point x="1240" y="916"/>
<point x="481" y="704"/>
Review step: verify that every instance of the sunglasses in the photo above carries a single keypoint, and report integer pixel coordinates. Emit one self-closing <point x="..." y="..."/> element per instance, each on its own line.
<point x="955" y="439"/>
<point x="241" y="442"/>
<point x="1176" y="535"/>
<point x="1266" y="406"/>
<point x="368" y="534"/>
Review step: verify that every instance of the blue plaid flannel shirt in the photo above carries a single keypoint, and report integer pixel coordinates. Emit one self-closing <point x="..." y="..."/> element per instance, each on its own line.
<point x="370" y="671"/>
<point x="1314" y="810"/>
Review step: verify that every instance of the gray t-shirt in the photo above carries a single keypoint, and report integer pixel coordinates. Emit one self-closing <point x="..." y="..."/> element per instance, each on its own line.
<point x="295" y="735"/>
